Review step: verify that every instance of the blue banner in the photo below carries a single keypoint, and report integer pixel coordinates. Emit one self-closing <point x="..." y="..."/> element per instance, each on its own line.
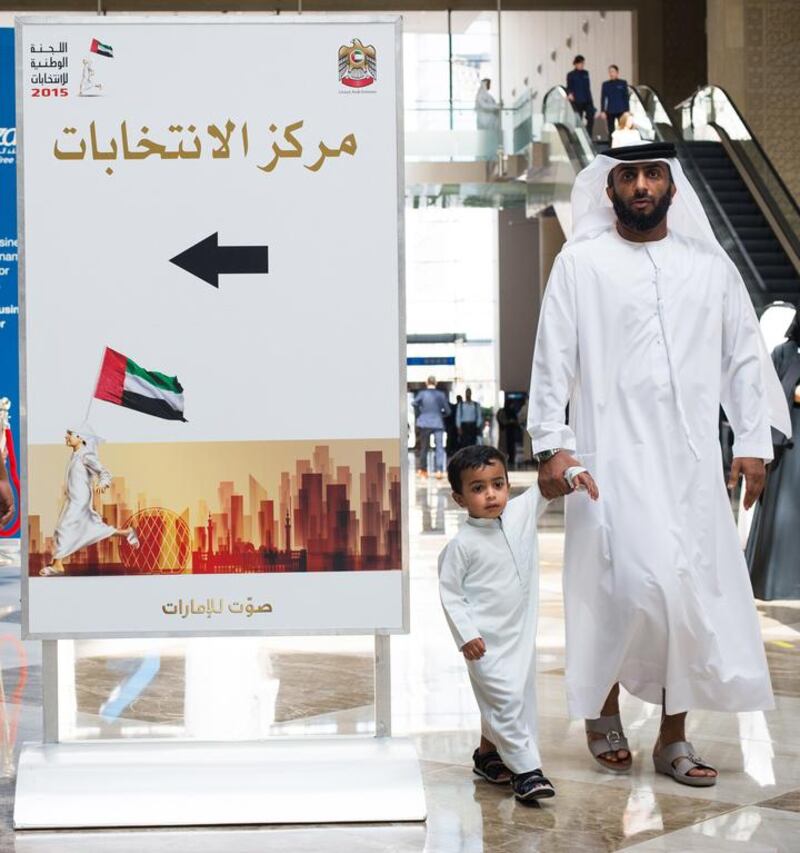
<point x="9" y="305"/>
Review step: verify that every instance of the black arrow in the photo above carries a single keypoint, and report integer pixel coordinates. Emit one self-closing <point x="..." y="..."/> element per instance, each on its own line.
<point x="208" y="260"/>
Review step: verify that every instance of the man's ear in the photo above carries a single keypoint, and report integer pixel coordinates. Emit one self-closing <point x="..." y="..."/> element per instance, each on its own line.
<point x="459" y="499"/>
<point x="672" y="190"/>
<point x="610" y="193"/>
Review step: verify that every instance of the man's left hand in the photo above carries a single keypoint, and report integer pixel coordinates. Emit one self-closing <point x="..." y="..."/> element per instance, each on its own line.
<point x="755" y="475"/>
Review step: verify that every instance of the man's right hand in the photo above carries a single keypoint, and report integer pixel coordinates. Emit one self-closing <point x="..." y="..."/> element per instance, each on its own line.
<point x="552" y="483"/>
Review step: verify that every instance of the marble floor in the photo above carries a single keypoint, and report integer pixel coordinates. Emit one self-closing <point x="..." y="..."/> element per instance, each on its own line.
<point x="262" y="688"/>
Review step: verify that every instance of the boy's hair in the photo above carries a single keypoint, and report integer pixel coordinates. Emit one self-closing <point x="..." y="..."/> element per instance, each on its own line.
<point x="578" y="59"/>
<point x="469" y="459"/>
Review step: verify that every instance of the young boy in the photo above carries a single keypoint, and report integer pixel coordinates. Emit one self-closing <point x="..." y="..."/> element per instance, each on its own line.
<point x="488" y="583"/>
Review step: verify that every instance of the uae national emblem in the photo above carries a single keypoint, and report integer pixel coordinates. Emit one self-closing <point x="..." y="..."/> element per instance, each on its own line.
<point x="358" y="66"/>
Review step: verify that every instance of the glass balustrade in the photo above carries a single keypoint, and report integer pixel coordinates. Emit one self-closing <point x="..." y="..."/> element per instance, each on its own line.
<point x="460" y="132"/>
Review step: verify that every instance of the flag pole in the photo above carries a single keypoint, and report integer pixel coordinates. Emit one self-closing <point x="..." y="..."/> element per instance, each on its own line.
<point x="94" y="387"/>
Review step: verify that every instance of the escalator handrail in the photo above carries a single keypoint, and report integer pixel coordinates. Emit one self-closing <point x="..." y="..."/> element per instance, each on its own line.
<point x="724" y="216"/>
<point x="657" y="95"/>
<point x="572" y="132"/>
<point x="763" y="191"/>
<point x="753" y="138"/>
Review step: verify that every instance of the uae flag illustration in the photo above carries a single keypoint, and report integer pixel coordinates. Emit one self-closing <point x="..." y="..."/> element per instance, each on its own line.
<point x="103" y="49"/>
<point x="126" y="384"/>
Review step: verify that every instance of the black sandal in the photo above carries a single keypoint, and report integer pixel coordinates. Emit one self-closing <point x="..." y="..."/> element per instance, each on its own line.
<point x="490" y="767"/>
<point x="532" y="786"/>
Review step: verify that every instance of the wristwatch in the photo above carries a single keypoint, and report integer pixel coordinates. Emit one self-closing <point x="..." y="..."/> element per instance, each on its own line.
<point x="546" y="455"/>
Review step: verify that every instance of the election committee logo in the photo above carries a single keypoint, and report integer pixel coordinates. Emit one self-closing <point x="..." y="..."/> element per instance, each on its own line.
<point x="358" y="65"/>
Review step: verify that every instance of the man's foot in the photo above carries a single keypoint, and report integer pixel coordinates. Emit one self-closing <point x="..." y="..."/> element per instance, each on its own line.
<point x="51" y="572"/>
<point x="422" y="474"/>
<point x="679" y="760"/>
<point x="439" y="475"/>
<point x="532" y="786"/>
<point x="489" y="766"/>
<point x="608" y="744"/>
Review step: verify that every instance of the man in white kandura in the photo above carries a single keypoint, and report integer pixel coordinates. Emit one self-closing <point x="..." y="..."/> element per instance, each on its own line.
<point x="644" y="331"/>
<point x="79" y="525"/>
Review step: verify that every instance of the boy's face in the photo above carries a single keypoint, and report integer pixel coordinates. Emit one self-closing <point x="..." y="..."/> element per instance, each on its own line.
<point x="484" y="491"/>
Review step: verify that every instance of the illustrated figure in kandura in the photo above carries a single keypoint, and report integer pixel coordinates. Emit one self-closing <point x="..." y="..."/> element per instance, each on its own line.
<point x="79" y="525"/>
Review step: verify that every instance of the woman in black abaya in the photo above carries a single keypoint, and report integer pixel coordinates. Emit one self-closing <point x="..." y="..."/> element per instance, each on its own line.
<point x="773" y="547"/>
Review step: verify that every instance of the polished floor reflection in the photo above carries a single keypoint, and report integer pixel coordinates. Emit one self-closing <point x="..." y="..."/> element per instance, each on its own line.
<point x="258" y="688"/>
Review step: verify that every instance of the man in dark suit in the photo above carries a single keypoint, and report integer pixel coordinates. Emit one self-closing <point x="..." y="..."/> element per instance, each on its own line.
<point x="614" y="99"/>
<point x="579" y="91"/>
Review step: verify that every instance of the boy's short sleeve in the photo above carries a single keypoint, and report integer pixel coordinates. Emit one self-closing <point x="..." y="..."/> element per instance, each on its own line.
<point x="453" y="564"/>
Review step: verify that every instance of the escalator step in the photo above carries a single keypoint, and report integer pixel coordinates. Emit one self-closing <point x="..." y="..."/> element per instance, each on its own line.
<point x="765" y="247"/>
<point x="738" y="220"/>
<point x="727" y="198"/>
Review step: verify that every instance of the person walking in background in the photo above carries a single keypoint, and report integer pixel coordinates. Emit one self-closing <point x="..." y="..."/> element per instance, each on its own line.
<point x="431" y="407"/>
<point x="487" y="109"/>
<point x="469" y="419"/>
<point x="614" y="99"/>
<point x="579" y="91"/>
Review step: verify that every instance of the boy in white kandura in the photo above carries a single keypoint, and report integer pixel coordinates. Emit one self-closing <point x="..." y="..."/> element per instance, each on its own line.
<point x="488" y="583"/>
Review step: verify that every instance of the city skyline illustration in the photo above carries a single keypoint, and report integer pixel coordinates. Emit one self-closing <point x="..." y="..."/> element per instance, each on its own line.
<point x="320" y="516"/>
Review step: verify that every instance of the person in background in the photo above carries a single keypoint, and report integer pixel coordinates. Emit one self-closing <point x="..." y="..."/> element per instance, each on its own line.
<point x="579" y="91"/>
<point x="510" y="431"/>
<point x="773" y="546"/>
<point x="469" y="419"/>
<point x="431" y="407"/>
<point x="486" y="107"/>
<point x="626" y="132"/>
<point x="614" y="99"/>
<point x="453" y="442"/>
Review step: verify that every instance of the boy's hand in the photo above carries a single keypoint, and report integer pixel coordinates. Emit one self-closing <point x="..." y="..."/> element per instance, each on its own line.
<point x="585" y="482"/>
<point x="474" y="649"/>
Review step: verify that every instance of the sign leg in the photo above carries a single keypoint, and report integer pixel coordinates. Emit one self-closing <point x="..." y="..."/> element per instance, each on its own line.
<point x="383" y="686"/>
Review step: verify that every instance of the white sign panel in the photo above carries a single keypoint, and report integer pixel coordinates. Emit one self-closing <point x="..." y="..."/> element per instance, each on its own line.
<point x="212" y="355"/>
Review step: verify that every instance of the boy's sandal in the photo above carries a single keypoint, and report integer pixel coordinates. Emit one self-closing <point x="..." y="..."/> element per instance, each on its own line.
<point x="614" y="739"/>
<point x="532" y="786"/>
<point x="490" y="767"/>
<point x="678" y="759"/>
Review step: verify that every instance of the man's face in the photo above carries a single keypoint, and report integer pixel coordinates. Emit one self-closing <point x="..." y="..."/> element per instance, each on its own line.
<point x="641" y="194"/>
<point x="613" y="73"/>
<point x="579" y="66"/>
<point x="484" y="491"/>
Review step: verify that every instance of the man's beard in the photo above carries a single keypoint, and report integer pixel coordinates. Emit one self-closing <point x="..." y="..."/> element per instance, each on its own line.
<point x="641" y="221"/>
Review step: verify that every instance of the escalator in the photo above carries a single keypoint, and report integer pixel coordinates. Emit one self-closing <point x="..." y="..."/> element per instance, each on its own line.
<point x="753" y="214"/>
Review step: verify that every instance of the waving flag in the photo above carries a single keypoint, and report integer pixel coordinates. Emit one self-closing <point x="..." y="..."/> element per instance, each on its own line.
<point x="126" y="384"/>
